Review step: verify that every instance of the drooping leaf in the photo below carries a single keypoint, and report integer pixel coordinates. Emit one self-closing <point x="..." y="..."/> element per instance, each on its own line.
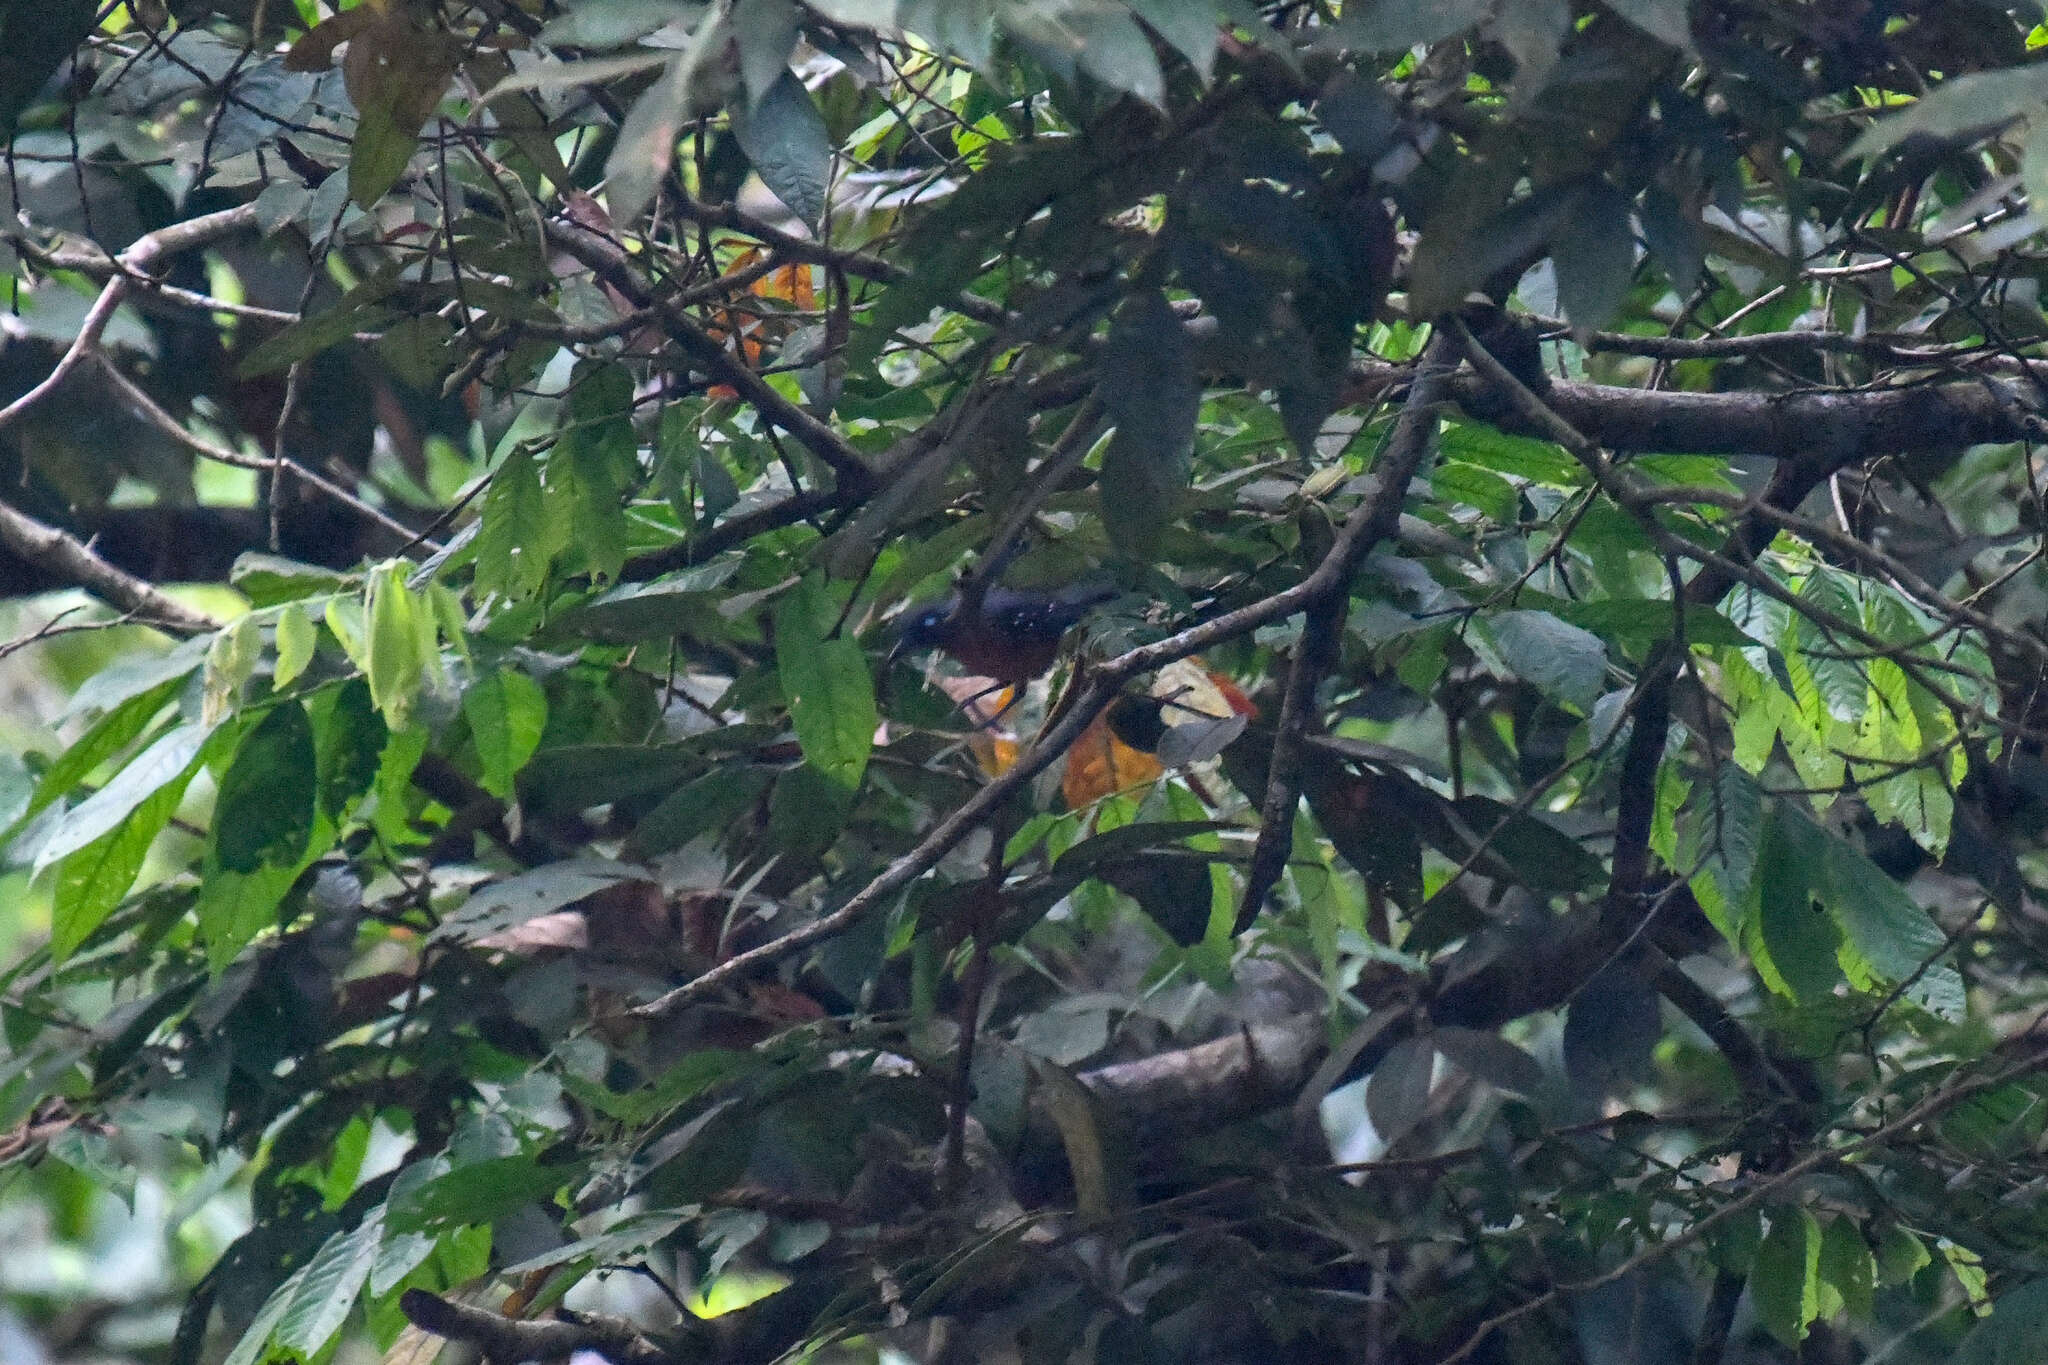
<point x="1563" y="660"/>
<point x="825" y="681"/>
<point x="1668" y="21"/>
<point x="296" y="638"/>
<point x="168" y="760"/>
<point x="1595" y="255"/>
<point x="541" y="891"/>
<point x="1490" y="1057"/>
<point x="507" y="712"/>
<point x="333" y="1279"/>
<point x="784" y="138"/>
<point x="1391" y="25"/>
<point x="265" y="810"/>
<point x="91" y="881"/>
<point x="1398" y="1092"/>
<point x="1798" y="938"/>
<point x="1785" y="1281"/>
<point x="2012" y="1332"/>
<point x="1149" y="386"/>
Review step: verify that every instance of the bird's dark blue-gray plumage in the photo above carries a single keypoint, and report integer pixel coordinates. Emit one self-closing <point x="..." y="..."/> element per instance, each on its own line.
<point x="1014" y="637"/>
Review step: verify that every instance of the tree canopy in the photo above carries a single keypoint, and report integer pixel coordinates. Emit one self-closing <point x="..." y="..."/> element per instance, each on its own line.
<point x="1524" y="849"/>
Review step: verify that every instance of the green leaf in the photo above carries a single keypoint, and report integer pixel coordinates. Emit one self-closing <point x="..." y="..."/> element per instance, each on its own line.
<point x="1784" y="1283"/>
<point x="1489" y="1057"/>
<point x="267" y="580"/>
<point x="693" y="81"/>
<point x="92" y="881"/>
<point x="1848" y="1267"/>
<point x="529" y="895"/>
<point x="296" y="638"/>
<point x="477" y="1193"/>
<point x="2013" y="1332"/>
<point x="1561" y="659"/>
<point x="825" y="681"/>
<point x="1638" y="623"/>
<point x="255" y="1342"/>
<point x="1391" y="25"/>
<point x="784" y="138"/>
<point x="594" y="465"/>
<point x="108" y="736"/>
<point x="1888" y="930"/>
<point x="1798" y="938"/>
<point x="1148" y="384"/>
<point x="1098" y="38"/>
<point x="705" y="806"/>
<point x="507" y="712"/>
<point x="393" y="660"/>
<point x="1190" y="27"/>
<point x="1976" y="104"/>
<point x="38" y="38"/>
<point x="265" y="810"/>
<point x="168" y="760"/>
<point x="234" y="907"/>
<point x="1668" y="21"/>
<point x="1722" y="829"/>
<point x="516" y="539"/>
<point x="351" y="740"/>
<point x="1595" y="256"/>
<point x="1398" y="1092"/>
<point x="230" y="661"/>
<point x="333" y="1279"/>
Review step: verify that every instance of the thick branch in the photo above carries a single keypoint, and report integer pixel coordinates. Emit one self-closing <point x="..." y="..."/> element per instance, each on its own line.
<point x="503" y="1341"/>
<point x="66" y="557"/>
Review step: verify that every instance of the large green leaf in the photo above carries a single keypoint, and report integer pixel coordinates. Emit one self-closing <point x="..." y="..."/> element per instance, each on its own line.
<point x="784" y="137"/>
<point x="1148" y="383"/>
<point x="825" y="681"/>
<point x="265" y="810"/>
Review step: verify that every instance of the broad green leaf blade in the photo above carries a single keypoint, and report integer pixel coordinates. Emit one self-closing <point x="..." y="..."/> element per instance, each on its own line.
<point x="1889" y="931"/>
<point x="2013" y="1332"/>
<point x="296" y="638"/>
<point x="507" y="712"/>
<point x="1595" y="256"/>
<point x="92" y="881"/>
<point x="1391" y="25"/>
<point x="333" y="1279"/>
<point x="1149" y="386"/>
<point x="1561" y="659"/>
<point x="1797" y="935"/>
<point x="351" y="738"/>
<point x="784" y="138"/>
<point x="541" y="891"/>
<point x="1785" y="1281"/>
<point x="1668" y="21"/>
<point x="265" y="810"/>
<point x="825" y="681"/>
<point x="517" y="539"/>
<point x="1978" y="103"/>
<point x="394" y="661"/>
<point x="168" y="760"/>
<point x="1398" y="1092"/>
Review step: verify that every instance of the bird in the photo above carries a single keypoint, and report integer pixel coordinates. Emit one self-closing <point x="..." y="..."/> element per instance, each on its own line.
<point x="1013" y="636"/>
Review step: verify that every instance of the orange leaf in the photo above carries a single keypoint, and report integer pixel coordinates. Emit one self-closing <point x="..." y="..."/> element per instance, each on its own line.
<point x="1102" y="765"/>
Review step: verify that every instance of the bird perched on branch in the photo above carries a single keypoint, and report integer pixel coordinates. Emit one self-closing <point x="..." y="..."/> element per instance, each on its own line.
<point x="1011" y="637"/>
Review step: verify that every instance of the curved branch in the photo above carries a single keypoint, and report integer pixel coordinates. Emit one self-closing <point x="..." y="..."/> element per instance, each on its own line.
<point x="66" y="557"/>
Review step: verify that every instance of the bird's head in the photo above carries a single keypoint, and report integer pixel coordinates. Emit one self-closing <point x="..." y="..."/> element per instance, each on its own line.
<point x="930" y="625"/>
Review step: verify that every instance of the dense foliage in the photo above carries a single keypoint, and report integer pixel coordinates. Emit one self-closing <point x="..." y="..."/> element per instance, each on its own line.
<point x="1526" y="850"/>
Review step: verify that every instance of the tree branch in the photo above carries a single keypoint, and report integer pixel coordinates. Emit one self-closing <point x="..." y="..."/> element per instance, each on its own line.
<point x="504" y="1341"/>
<point x="610" y="262"/>
<point x="66" y="557"/>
